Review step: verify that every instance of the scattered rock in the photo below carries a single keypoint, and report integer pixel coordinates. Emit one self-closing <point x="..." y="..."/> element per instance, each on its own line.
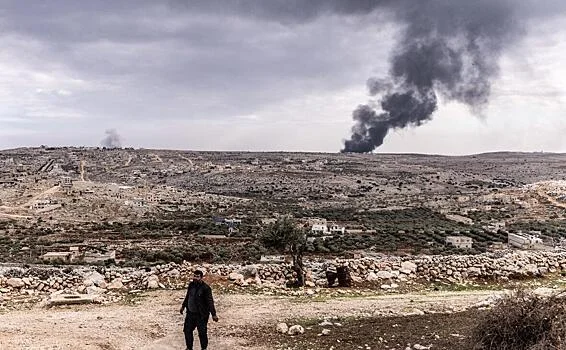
<point x="15" y="282"/>
<point x="310" y="284"/>
<point x="116" y="284"/>
<point x="153" y="282"/>
<point x="95" y="277"/>
<point x="413" y="311"/>
<point x="282" y="328"/>
<point x="175" y="273"/>
<point x="408" y="266"/>
<point x="385" y="275"/>
<point x="296" y="329"/>
<point x="234" y="276"/>
<point x="94" y="290"/>
<point x="544" y="292"/>
<point x="372" y="277"/>
<point x="248" y="272"/>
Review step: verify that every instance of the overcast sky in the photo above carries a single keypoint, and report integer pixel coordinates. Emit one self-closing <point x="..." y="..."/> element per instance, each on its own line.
<point x="235" y="75"/>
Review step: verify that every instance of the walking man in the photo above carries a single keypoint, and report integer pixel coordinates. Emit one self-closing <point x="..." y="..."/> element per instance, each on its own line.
<point x="199" y="304"/>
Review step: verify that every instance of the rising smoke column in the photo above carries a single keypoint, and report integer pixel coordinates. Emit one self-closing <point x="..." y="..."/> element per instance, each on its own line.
<point x="448" y="49"/>
<point x="112" y="139"/>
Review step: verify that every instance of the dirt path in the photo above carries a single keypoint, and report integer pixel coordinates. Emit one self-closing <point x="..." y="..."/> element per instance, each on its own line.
<point x="155" y="322"/>
<point x="551" y="199"/>
<point x="50" y="190"/>
<point x="14" y="216"/>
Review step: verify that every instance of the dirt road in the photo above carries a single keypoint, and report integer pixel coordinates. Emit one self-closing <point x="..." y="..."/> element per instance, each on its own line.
<point x="155" y="323"/>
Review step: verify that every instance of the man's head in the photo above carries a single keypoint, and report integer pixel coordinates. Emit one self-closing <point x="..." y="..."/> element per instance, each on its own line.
<point x="197" y="276"/>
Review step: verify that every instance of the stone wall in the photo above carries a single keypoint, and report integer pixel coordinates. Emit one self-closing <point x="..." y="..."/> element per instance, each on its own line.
<point x="388" y="272"/>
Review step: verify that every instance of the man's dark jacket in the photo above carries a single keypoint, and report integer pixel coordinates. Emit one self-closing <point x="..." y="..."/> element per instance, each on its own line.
<point x="204" y="300"/>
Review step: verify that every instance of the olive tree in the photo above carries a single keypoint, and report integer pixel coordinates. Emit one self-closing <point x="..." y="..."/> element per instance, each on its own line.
<point x="286" y="236"/>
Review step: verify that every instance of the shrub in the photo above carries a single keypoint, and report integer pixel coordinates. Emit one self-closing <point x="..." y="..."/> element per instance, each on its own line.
<point x="523" y="321"/>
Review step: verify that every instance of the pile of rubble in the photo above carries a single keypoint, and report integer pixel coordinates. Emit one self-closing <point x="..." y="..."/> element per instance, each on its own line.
<point x="388" y="272"/>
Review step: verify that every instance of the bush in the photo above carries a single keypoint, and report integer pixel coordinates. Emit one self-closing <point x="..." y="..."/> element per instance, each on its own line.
<point x="523" y="321"/>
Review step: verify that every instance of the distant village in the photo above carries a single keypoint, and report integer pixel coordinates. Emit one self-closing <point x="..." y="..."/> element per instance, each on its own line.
<point x="234" y="195"/>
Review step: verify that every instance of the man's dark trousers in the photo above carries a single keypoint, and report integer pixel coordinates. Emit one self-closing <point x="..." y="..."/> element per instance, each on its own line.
<point x="195" y="320"/>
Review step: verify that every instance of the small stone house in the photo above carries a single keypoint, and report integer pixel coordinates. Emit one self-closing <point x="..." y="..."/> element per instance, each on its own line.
<point x="459" y="241"/>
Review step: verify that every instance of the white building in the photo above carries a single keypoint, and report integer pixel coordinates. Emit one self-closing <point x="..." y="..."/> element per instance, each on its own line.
<point x="66" y="182"/>
<point x="40" y="204"/>
<point x="459" y="241"/>
<point x="337" y="230"/>
<point x="319" y="228"/>
<point x="68" y="256"/>
<point x="523" y="241"/>
<point x="233" y="222"/>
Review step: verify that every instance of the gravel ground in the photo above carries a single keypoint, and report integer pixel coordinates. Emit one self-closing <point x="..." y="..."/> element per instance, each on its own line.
<point x="153" y="322"/>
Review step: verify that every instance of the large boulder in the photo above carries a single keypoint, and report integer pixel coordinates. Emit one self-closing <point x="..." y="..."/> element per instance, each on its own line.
<point x="15" y="282"/>
<point x="88" y="283"/>
<point x="116" y="284"/>
<point x="249" y="271"/>
<point x="282" y="328"/>
<point x="474" y="271"/>
<point x="408" y="267"/>
<point x="385" y="275"/>
<point x="530" y="269"/>
<point x="153" y="282"/>
<point x="93" y="290"/>
<point x="235" y="276"/>
<point x="296" y="329"/>
<point x="372" y="277"/>
<point x="96" y="278"/>
<point x="175" y="273"/>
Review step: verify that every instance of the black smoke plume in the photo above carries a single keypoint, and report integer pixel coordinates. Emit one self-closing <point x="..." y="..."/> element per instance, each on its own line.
<point x="448" y="49"/>
<point x="112" y="139"/>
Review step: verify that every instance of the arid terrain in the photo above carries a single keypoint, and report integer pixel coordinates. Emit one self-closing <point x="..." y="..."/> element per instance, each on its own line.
<point x="127" y="227"/>
<point x="152" y="322"/>
<point x="135" y="202"/>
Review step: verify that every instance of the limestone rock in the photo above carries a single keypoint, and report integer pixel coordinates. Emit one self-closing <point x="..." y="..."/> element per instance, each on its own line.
<point x="88" y="283"/>
<point x="15" y="282"/>
<point x="384" y="275"/>
<point x="153" y="282"/>
<point x="408" y="266"/>
<point x="296" y="329"/>
<point x="175" y="273"/>
<point x="372" y="277"/>
<point x="94" y="290"/>
<point x="116" y="284"/>
<point x="282" y="328"/>
<point x="234" y="276"/>
<point x="249" y="271"/>
<point x="95" y="277"/>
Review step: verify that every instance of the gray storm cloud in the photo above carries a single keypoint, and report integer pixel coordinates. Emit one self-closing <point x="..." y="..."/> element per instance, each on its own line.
<point x="179" y="55"/>
<point x="447" y="49"/>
